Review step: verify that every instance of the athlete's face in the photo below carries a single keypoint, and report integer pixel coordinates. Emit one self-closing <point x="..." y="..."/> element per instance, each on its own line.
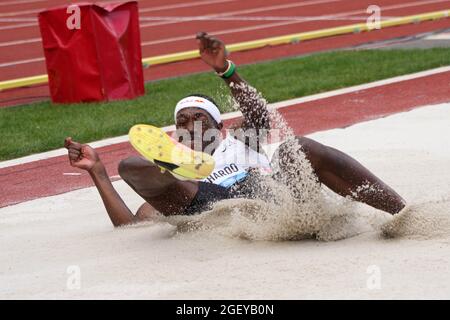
<point x="196" y="122"/>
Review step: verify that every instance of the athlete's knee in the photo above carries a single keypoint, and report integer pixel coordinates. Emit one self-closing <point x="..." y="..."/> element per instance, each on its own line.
<point x="313" y="150"/>
<point x="124" y="168"/>
<point x="131" y="167"/>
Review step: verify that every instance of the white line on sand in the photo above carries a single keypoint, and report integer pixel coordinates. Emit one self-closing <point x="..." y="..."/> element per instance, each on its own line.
<point x="232" y="115"/>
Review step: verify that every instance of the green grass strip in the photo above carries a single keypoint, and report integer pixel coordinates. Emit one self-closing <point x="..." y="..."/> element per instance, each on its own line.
<point x="42" y="126"/>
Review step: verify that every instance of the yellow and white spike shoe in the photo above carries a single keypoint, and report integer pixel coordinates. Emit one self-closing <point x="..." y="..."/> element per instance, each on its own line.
<point x="158" y="147"/>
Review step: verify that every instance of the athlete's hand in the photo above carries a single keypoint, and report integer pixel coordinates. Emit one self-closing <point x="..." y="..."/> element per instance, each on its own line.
<point x="81" y="156"/>
<point x="212" y="51"/>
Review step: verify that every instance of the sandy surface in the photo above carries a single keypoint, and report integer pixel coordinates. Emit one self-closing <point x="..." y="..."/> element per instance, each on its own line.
<point x="47" y="243"/>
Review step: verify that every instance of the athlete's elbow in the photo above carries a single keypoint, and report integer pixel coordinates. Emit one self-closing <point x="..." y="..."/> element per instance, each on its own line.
<point x="122" y="224"/>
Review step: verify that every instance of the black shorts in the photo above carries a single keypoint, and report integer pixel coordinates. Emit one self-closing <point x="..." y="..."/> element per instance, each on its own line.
<point x="209" y="193"/>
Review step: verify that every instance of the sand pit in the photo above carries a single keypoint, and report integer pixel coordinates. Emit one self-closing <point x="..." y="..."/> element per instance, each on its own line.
<point x="65" y="246"/>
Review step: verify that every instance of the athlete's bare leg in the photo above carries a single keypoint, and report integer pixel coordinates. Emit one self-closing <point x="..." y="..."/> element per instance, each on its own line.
<point x="345" y="176"/>
<point x="162" y="191"/>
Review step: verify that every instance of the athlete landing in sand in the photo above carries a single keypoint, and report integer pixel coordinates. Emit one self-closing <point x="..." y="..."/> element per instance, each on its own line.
<point x="167" y="195"/>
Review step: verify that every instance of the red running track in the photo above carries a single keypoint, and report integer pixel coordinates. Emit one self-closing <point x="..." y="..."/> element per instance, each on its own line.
<point x="46" y="177"/>
<point x="231" y="20"/>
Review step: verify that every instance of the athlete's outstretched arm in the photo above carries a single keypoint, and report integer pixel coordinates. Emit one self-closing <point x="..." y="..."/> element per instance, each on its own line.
<point x="251" y="103"/>
<point x="84" y="157"/>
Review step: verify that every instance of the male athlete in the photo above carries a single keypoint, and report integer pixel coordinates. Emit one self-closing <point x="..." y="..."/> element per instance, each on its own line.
<point x="168" y="195"/>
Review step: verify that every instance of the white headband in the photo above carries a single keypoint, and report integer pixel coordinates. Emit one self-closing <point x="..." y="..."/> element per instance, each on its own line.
<point x="201" y="103"/>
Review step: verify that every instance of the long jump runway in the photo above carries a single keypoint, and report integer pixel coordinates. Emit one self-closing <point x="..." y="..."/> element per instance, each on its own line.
<point x="46" y="241"/>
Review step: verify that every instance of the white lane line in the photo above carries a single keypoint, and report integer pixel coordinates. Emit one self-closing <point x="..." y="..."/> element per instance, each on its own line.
<point x="262" y="9"/>
<point x="375" y="84"/>
<point x="159" y="8"/>
<point x="257" y="27"/>
<point x="173" y="39"/>
<point x="232" y="115"/>
<point x="15" y="63"/>
<point x="289" y="19"/>
<point x="19" y="42"/>
<point x="150" y="43"/>
<point x="18" y="2"/>
<point x="225" y="18"/>
<point x="306" y="3"/>
<point x="19" y="25"/>
<point x="254" y="10"/>
<point x="184" y="5"/>
<point x="442" y="36"/>
<point x="258" y="18"/>
<point x="206" y="18"/>
<point x="271" y="25"/>
<point x="278" y="24"/>
<point x="19" y="13"/>
<point x="220" y="32"/>
<point x="284" y="6"/>
<point x="31" y="19"/>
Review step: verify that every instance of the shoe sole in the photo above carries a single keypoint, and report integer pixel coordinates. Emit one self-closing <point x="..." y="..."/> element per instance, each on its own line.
<point x="158" y="147"/>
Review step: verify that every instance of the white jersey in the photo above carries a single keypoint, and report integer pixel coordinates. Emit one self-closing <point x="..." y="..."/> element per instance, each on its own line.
<point x="233" y="159"/>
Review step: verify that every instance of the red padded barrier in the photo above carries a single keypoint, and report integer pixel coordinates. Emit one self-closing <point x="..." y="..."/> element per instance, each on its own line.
<point x="97" y="59"/>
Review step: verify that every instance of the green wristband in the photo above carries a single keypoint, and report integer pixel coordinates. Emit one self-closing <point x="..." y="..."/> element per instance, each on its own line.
<point x="230" y="70"/>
